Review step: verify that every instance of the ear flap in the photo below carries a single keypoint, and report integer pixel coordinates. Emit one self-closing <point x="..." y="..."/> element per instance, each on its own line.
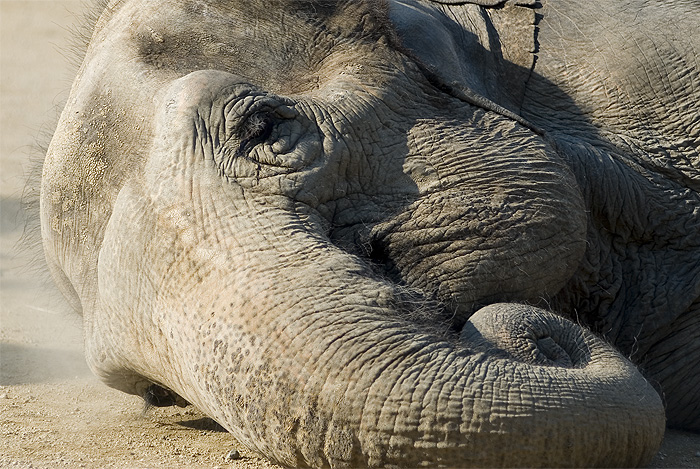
<point x="488" y="51"/>
<point x="516" y="32"/>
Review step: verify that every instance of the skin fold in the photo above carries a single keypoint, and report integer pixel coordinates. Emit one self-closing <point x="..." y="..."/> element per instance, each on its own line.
<point x="352" y="232"/>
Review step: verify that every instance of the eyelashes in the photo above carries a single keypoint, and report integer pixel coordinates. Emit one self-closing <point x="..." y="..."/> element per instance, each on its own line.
<point x="256" y="129"/>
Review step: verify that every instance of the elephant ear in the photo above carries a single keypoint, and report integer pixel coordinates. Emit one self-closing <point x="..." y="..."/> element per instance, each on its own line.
<point x="486" y="47"/>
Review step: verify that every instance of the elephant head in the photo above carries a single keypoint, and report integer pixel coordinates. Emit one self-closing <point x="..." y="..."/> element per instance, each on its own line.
<point x="275" y="211"/>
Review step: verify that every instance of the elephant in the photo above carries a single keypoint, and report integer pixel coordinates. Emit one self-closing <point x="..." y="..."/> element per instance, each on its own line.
<point x="390" y="232"/>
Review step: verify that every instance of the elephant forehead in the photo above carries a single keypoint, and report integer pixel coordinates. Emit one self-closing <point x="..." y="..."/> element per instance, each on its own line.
<point x="283" y="45"/>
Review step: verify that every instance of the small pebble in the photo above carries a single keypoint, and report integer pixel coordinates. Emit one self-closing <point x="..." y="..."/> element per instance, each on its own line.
<point x="697" y="454"/>
<point x="233" y="455"/>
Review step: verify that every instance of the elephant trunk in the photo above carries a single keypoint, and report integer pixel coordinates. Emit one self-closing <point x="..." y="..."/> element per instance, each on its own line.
<point x="305" y="356"/>
<point x="318" y="373"/>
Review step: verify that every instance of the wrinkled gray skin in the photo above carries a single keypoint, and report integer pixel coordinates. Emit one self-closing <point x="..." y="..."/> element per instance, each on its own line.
<point x="331" y="226"/>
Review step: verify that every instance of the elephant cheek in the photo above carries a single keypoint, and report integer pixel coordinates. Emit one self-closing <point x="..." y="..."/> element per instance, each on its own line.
<point x="469" y="253"/>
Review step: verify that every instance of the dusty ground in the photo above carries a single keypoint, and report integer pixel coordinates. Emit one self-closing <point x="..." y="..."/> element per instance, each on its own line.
<point x="53" y="413"/>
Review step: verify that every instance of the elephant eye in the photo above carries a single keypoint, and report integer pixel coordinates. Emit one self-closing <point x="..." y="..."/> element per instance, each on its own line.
<point x="256" y="129"/>
<point x="264" y="136"/>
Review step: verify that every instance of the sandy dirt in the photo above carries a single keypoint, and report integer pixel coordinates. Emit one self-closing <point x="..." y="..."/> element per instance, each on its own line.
<point x="53" y="412"/>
